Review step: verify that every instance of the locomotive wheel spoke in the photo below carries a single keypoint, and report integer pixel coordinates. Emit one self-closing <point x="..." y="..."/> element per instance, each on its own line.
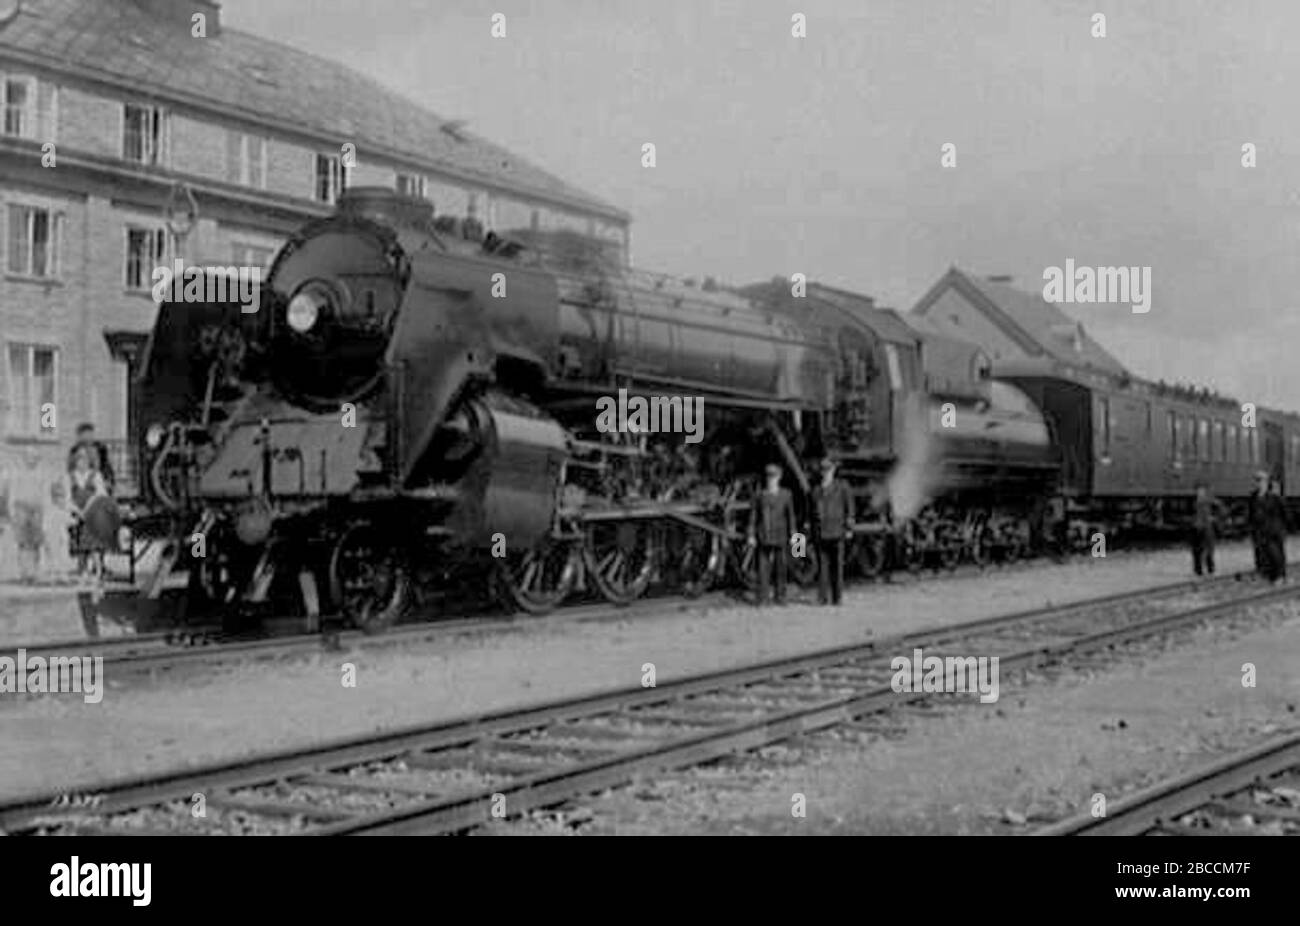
<point x="700" y="560"/>
<point x="869" y="555"/>
<point x="537" y="580"/>
<point x="621" y="559"/>
<point x="370" y="582"/>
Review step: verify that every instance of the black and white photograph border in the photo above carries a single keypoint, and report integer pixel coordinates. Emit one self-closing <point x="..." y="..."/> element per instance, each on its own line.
<point x="926" y="467"/>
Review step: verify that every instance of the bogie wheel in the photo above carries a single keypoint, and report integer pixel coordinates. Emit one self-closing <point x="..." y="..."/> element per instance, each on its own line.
<point x="370" y="580"/>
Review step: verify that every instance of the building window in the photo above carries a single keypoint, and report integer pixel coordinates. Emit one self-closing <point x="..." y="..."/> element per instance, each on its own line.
<point x="246" y="159"/>
<point x="331" y="179"/>
<point x="20" y="107"/>
<point x="1254" y="445"/>
<point x="1103" y="424"/>
<point x="1221" y="441"/>
<point x="1149" y="422"/>
<point x="1204" y="451"/>
<point x="33" y="382"/>
<point x="146" y="248"/>
<point x="252" y="255"/>
<point x="1172" y="419"/>
<point x="413" y="185"/>
<point x="1233" y="453"/>
<point x="33" y="235"/>
<point x="144" y="134"/>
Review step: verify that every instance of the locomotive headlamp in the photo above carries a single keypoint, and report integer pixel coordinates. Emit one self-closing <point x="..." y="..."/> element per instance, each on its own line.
<point x="153" y="437"/>
<point x="312" y="300"/>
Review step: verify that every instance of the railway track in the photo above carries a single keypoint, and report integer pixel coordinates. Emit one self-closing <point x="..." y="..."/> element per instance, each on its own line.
<point x="1252" y="793"/>
<point x="134" y="654"/>
<point x="457" y="776"/>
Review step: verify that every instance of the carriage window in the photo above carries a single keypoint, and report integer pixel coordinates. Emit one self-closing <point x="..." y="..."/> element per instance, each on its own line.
<point x="895" y="371"/>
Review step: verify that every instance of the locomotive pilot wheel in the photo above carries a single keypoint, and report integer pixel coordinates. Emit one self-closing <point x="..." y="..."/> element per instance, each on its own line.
<point x="370" y="581"/>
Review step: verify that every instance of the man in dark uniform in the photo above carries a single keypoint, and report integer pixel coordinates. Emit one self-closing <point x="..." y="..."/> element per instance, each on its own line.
<point x="1207" y="511"/>
<point x="771" y="524"/>
<point x="1257" y="530"/>
<point x="1275" y="531"/>
<point x="832" y="524"/>
<point x="98" y="453"/>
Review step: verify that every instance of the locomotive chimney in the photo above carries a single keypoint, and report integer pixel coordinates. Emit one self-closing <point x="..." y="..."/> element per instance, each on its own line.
<point x="181" y="12"/>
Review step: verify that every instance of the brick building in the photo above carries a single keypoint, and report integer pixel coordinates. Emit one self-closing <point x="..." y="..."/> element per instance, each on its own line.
<point x="116" y="115"/>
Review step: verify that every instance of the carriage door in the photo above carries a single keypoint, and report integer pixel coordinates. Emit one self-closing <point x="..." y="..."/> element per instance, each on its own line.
<point x="1274" y="451"/>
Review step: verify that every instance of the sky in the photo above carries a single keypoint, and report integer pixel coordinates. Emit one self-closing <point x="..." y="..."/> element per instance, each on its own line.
<point x="821" y="155"/>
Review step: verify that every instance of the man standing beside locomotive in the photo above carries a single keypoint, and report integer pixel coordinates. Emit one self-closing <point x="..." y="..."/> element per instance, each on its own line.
<point x="832" y="512"/>
<point x="771" y="525"/>
<point x="1207" y="512"/>
<point x="1275" y="530"/>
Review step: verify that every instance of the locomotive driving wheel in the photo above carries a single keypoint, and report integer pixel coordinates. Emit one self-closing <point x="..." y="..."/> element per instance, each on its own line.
<point x="697" y="558"/>
<point x="742" y="555"/>
<point x="537" y="580"/>
<point x="370" y="581"/>
<point x="620" y="558"/>
<point x="868" y="552"/>
<point x="803" y="569"/>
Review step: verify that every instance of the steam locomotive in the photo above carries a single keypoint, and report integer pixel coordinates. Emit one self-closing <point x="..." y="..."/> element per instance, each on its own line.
<point x="414" y="406"/>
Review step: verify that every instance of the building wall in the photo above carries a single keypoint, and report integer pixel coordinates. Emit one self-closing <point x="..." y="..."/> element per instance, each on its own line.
<point x="953" y="314"/>
<point x="88" y="295"/>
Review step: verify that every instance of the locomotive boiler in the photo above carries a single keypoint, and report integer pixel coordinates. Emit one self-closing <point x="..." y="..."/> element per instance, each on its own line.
<point x="414" y="402"/>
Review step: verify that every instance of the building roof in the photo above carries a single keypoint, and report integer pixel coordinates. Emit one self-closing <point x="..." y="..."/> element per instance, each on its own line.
<point x="886" y="323"/>
<point x="248" y="77"/>
<point x="1038" y="325"/>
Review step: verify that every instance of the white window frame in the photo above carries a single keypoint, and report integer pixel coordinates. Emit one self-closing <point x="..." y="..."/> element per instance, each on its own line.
<point x="337" y="180"/>
<point x="895" y="368"/>
<point x="161" y="243"/>
<point x="54" y="243"/>
<point x="18" y="426"/>
<point x="244" y="172"/>
<point x="421" y="184"/>
<point x="149" y="157"/>
<point x="30" y="113"/>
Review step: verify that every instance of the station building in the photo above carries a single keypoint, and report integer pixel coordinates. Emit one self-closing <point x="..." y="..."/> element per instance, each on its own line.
<point x="126" y="141"/>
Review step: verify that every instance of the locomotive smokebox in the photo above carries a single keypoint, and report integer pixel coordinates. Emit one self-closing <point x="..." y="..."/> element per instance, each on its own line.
<point x="385" y="207"/>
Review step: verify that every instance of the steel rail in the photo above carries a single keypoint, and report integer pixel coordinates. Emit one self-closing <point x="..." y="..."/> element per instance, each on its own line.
<point x="1157" y="809"/>
<point x="812" y="710"/>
